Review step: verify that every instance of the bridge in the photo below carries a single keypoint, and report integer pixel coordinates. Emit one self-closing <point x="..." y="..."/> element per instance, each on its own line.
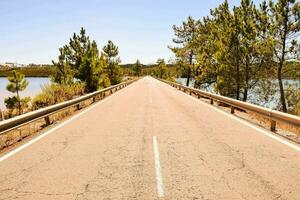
<point x="151" y="141"/>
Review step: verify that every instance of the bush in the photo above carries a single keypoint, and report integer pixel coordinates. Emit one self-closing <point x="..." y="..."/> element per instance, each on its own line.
<point x="293" y="100"/>
<point x="14" y="103"/>
<point x="55" y="93"/>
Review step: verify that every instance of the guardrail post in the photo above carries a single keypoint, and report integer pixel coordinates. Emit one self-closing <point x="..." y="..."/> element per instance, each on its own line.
<point x="47" y="120"/>
<point x="94" y="99"/>
<point x="1" y="115"/>
<point x="111" y="91"/>
<point x="199" y="96"/>
<point x="78" y="106"/>
<point x="190" y="92"/>
<point x="20" y="134"/>
<point x="232" y="110"/>
<point x="273" y="126"/>
<point x="211" y="101"/>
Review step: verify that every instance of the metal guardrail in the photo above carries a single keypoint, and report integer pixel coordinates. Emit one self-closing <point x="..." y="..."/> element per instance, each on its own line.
<point x="16" y="122"/>
<point x="273" y="115"/>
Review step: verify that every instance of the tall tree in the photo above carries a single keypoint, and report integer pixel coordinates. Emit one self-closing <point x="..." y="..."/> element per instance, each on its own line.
<point x="162" y="70"/>
<point x="255" y="49"/>
<point x="185" y="37"/>
<point x="232" y="51"/>
<point x="227" y="51"/>
<point x="79" y="59"/>
<point x="285" y="26"/>
<point x="206" y="65"/>
<point x="137" y="68"/>
<point x="63" y="72"/>
<point x="113" y="69"/>
<point x="104" y="78"/>
<point x="17" y="83"/>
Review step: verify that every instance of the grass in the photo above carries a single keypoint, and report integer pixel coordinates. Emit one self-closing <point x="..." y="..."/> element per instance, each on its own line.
<point x="36" y="71"/>
<point x="15" y="136"/>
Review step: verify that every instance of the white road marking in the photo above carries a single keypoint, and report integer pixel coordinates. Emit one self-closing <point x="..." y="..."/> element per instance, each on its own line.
<point x="13" y="152"/>
<point x="267" y="133"/>
<point x="159" y="182"/>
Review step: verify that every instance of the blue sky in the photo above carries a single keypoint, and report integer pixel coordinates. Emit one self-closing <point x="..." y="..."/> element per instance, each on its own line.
<point x="33" y="30"/>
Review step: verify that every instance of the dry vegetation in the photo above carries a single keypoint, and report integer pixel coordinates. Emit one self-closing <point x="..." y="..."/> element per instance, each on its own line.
<point x="285" y="130"/>
<point x="15" y="136"/>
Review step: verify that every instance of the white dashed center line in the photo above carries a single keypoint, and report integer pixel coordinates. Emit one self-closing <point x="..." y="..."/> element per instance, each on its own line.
<point x="159" y="181"/>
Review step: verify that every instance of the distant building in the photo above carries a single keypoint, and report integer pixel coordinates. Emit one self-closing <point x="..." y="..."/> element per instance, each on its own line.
<point x="11" y="65"/>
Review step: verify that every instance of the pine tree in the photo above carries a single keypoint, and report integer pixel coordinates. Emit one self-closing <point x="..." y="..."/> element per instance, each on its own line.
<point x="255" y="49"/>
<point x="162" y="70"/>
<point x="185" y="37"/>
<point x="113" y="69"/>
<point x="227" y="51"/>
<point x="63" y="72"/>
<point x="80" y="59"/>
<point x="285" y="26"/>
<point x="137" y="68"/>
<point x="17" y="83"/>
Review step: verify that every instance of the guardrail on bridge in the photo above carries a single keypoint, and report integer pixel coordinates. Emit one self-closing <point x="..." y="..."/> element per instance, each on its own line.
<point x="16" y="122"/>
<point x="273" y="115"/>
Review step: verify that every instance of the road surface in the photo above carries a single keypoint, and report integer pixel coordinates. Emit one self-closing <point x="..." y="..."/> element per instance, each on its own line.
<point x="150" y="141"/>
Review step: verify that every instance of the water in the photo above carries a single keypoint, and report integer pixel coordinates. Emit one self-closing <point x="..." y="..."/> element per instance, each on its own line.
<point x="35" y="84"/>
<point x="33" y="88"/>
<point x="253" y="93"/>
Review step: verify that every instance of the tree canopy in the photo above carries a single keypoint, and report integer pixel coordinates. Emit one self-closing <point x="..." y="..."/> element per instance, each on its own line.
<point x="239" y="49"/>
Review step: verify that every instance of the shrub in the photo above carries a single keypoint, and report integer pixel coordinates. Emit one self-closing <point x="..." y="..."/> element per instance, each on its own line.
<point x="293" y="100"/>
<point x="55" y="93"/>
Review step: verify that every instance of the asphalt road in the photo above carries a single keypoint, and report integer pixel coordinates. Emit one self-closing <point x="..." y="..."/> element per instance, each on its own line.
<point x="150" y="141"/>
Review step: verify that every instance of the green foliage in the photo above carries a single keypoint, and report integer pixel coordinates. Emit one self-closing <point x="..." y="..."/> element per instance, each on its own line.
<point x="162" y="70"/>
<point x="82" y="56"/>
<point x="63" y="73"/>
<point x="56" y="93"/>
<point x="291" y="70"/>
<point x="293" y="100"/>
<point x="113" y="69"/>
<point x="236" y="50"/>
<point x="29" y="71"/>
<point x="265" y="92"/>
<point x="17" y="83"/>
<point x="137" y="68"/>
<point x="16" y="105"/>
<point x="82" y="60"/>
<point x="283" y="18"/>
<point x="185" y="40"/>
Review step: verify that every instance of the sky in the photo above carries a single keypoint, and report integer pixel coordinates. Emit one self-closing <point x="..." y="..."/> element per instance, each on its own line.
<point x="31" y="31"/>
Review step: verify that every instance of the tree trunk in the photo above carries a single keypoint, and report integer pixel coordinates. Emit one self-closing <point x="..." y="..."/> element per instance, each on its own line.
<point x="188" y="77"/>
<point x="19" y="102"/>
<point x="245" y="95"/>
<point x="247" y="79"/>
<point x="238" y="85"/>
<point x="189" y="72"/>
<point x="280" y="65"/>
<point x="282" y="96"/>
<point x="237" y="60"/>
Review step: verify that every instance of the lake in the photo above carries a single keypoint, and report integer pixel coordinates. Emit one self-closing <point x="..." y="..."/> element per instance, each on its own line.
<point x="33" y="88"/>
<point x="253" y="94"/>
<point x="36" y="83"/>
